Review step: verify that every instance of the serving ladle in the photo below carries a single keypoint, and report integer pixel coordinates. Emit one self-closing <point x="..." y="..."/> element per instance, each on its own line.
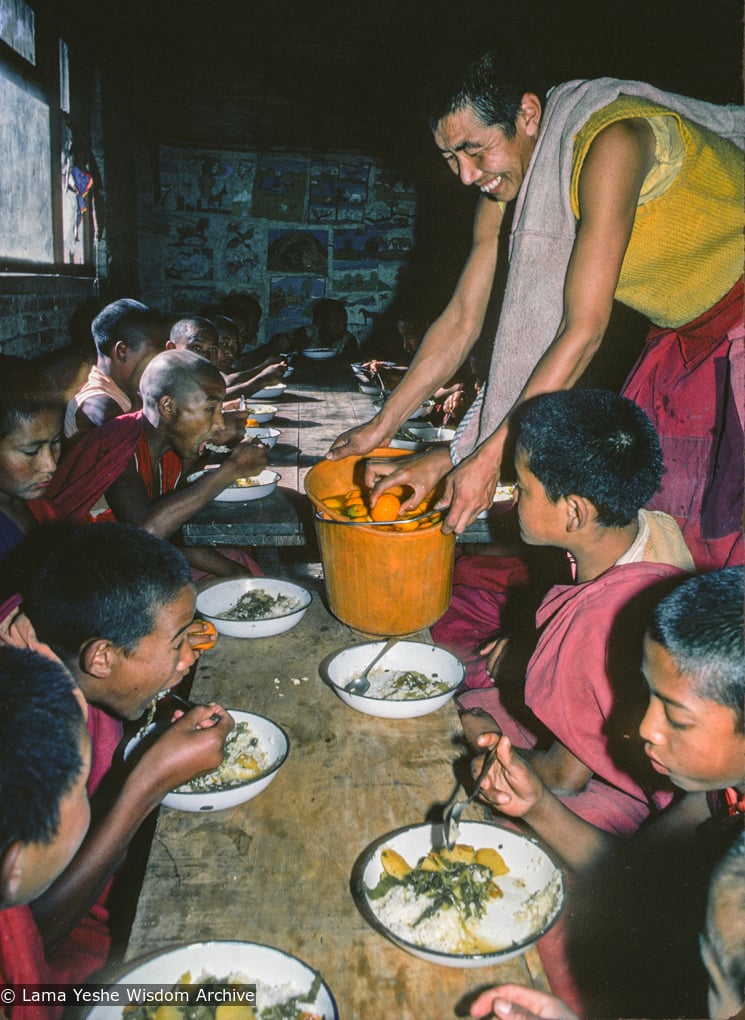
<point x="361" y="683"/>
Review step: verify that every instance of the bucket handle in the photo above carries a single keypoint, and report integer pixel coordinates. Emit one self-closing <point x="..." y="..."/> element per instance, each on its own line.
<point x="378" y="524"/>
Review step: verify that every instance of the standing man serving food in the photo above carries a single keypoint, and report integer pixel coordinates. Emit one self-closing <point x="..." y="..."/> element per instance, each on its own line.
<point x="621" y="191"/>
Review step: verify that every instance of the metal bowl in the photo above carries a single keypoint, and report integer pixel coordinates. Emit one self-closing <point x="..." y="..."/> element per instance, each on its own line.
<point x="260" y="485"/>
<point x="269" y="392"/>
<point x="533" y="892"/>
<point x="319" y="353"/>
<point x="271" y="970"/>
<point x="272" y="742"/>
<point x="221" y="597"/>
<point x="430" y="660"/>
<point x="267" y="436"/>
<point x="262" y="413"/>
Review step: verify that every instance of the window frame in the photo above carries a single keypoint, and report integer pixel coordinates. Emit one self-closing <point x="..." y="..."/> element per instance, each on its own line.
<point x="44" y="78"/>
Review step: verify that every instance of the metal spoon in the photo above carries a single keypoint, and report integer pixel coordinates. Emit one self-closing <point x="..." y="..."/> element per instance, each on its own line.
<point x="215" y="717"/>
<point x="361" y="684"/>
<point x="452" y="813"/>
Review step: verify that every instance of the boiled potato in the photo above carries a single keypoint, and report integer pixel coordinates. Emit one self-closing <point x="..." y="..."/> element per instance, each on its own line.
<point x="492" y="859"/>
<point x="394" y="864"/>
<point x="461" y="852"/>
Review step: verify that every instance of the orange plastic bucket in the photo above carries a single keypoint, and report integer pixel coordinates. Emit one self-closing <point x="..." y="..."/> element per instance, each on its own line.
<point x="379" y="582"/>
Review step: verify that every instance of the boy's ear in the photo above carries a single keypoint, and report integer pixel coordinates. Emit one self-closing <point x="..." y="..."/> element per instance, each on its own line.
<point x="11" y="872"/>
<point x="580" y="513"/>
<point x="166" y="407"/>
<point x="98" y="657"/>
<point x="120" y="350"/>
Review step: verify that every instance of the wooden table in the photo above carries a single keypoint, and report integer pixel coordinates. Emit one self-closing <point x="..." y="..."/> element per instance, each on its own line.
<point x="321" y="401"/>
<point x="276" y="870"/>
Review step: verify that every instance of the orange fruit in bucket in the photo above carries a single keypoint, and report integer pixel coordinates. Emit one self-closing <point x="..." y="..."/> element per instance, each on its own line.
<point x="387" y="508"/>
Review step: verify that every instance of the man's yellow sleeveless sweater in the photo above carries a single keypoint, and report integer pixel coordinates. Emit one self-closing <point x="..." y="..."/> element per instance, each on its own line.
<point x="686" y="250"/>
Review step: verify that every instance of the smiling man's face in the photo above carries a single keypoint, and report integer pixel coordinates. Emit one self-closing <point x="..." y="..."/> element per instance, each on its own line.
<point x="483" y="156"/>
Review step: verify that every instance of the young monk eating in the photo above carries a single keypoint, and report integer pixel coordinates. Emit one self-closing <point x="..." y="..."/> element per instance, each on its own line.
<point x="693" y="733"/>
<point x="586" y="462"/>
<point x="127" y="335"/>
<point x="116" y="605"/>
<point x="44" y="810"/>
<point x="137" y="460"/>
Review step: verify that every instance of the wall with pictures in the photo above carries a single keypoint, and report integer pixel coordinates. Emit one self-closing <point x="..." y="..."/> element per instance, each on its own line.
<point x="288" y="229"/>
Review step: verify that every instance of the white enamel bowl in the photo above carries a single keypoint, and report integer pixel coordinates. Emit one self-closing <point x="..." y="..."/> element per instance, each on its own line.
<point x="262" y="413"/>
<point x="266" y="967"/>
<point x="531" y="870"/>
<point x="421" y="411"/>
<point x="272" y="741"/>
<point x="504" y="499"/>
<point x="267" y="436"/>
<point x="369" y="389"/>
<point x="221" y="597"/>
<point x="426" y="436"/>
<point x="269" y="392"/>
<point x="261" y="485"/>
<point x="343" y="666"/>
<point x="319" y="353"/>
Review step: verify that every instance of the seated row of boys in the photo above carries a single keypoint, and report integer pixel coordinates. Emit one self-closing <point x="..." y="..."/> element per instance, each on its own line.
<point x="135" y="460"/>
<point x="115" y="605"/>
<point x="127" y="335"/>
<point x="587" y="461"/>
<point x="568" y="694"/>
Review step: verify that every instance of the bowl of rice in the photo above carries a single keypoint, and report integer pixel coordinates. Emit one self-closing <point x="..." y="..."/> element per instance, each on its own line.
<point x="412" y="678"/>
<point x="254" y="751"/>
<point x="267" y="436"/>
<point x="253" y="607"/>
<point x="270" y="392"/>
<point x="252" y="487"/>
<point x="260" y="413"/>
<point x="486" y="901"/>
<point x="285" y="985"/>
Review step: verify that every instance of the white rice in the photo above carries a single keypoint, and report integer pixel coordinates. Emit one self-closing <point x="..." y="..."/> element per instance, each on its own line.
<point x="508" y="920"/>
<point x="240" y="741"/>
<point x="383" y="685"/>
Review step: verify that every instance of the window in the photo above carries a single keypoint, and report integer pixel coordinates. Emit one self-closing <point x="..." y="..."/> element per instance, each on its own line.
<point x="46" y="185"/>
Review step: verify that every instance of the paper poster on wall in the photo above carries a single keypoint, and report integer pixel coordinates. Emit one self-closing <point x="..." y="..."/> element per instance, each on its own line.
<point x="185" y="264"/>
<point x="352" y="192"/>
<point x="190" y="300"/>
<point x="279" y="189"/>
<point x="291" y="300"/>
<point x="391" y="201"/>
<point x="188" y="232"/>
<point x="243" y="251"/>
<point x="360" y="249"/>
<point x="324" y="182"/>
<point x="298" y="251"/>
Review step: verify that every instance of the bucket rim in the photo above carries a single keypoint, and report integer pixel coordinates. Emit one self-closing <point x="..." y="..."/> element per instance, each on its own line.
<point x="378" y="524"/>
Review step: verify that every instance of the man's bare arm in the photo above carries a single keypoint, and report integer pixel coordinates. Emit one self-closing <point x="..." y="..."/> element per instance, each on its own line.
<point x="615" y="167"/>
<point x="447" y="342"/>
